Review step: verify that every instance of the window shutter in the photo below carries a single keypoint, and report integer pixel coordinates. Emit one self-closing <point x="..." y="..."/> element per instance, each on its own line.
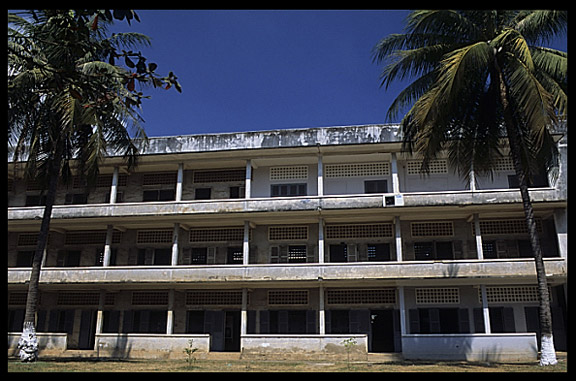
<point x="274" y="254"/>
<point x="458" y="251"/>
<point x="478" y="320"/>
<point x="283" y="321"/>
<point x="264" y="321"/>
<point x="310" y="321"/>
<point x="434" y="316"/>
<point x="464" y="320"/>
<point x="508" y="317"/>
<point x="352" y="251"/>
<point x="211" y="256"/>
<point x="414" y="318"/>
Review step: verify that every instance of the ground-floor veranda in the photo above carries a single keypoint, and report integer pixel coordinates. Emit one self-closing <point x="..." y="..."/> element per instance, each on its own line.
<point x="474" y="322"/>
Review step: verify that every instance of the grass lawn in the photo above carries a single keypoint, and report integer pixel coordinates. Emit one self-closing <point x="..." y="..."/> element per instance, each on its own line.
<point x="86" y="365"/>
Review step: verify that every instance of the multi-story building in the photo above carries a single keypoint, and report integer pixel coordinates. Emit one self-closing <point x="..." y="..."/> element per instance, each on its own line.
<point x="290" y="241"/>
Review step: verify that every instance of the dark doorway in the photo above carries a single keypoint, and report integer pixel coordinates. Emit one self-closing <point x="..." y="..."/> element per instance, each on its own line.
<point x="339" y="253"/>
<point x="87" y="329"/>
<point x="382" y="329"/>
<point x="232" y="331"/>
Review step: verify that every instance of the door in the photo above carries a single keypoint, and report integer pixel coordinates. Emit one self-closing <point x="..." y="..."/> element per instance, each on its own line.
<point x="87" y="329"/>
<point x="232" y="331"/>
<point x="382" y="330"/>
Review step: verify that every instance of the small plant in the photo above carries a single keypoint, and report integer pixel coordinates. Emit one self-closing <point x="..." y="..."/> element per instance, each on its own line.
<point x="190" y="351"/>
<point x="349" y="345"/>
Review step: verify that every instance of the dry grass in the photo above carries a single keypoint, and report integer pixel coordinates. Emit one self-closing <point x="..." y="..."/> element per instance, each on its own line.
<point x="85" y="365"/>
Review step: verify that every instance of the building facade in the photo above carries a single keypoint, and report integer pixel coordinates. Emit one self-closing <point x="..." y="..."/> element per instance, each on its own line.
<point x="289" y="241"/>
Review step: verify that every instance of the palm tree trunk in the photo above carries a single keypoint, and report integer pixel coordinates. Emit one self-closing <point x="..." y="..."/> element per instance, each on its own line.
<point x="547" y="350"/>
<point x="28" y="343"/>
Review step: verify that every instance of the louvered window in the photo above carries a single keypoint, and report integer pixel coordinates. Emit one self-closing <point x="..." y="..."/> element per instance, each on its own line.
<point x="373" y="296"/>
<point x="286" y="297"/>
<point x="357" y="170"/>
<point x="447" y="295"/>
<point x="289" y="173"/>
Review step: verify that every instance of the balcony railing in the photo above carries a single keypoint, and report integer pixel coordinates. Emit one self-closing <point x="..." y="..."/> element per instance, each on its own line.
<point x="261" y="273"/>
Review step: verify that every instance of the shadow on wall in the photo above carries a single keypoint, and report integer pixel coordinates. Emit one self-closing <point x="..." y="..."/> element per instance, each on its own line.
<point x="471" y="347"/>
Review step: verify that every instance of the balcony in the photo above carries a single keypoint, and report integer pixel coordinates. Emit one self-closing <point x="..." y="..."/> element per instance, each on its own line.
<point x="303" y="274"/>
<point x="283" y="204"/>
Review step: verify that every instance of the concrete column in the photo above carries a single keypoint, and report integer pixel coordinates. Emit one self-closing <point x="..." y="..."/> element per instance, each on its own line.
<point x="321" y="312"/>
<point x="402" y="305"/>
<point x="246" y="244"/>
<point x="100" y="313"/>
<point x="398" y="237"/>
<point x="179" y="181"/>
<point x="244" y="313"/>
<point x="485" y="309"/>
<point x="395" y="181"/>
<point x="248" y="182"/>
<point x="472" y="183"/>
<point x="561" y="225"/>
<point x="320" y="176"/>
<point x="175" y="249"/>
<point x="479" y="249"/>
<point x="108" y="246"/>
<point x="170" y="317"/>
<point x="321" y="240"/>
<point x="114" y="187"/>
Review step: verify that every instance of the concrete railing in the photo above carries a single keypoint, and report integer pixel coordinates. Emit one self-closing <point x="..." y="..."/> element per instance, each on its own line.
<point x="290" y="345"/>
<point x="452" y="269"/>
<point x="499" y="347"/>
<point x="148" y="345"/>
<point x="49" y="343"/>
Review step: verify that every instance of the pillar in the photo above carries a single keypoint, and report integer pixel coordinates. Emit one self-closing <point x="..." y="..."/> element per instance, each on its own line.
<point x="175" y="250"/>
<point x="485" y="309"/>
<point x="320" y="176"/>
<point x="402" y="310"/>
<point x="479" y="249"/>
<point x="246" y="244"/>
<point x="321" y="240"/>
<point x="248" y="182"/>
<point x="398" y="238"/>
<point x="179" y="181"/>
<point x="244" y="313"/>
<point x="114" y="187"/>
<point x="108" y="246"/>
<point x="321" y="312"/>
<point x="170" y="317"/>
<point x="395" y="181"/>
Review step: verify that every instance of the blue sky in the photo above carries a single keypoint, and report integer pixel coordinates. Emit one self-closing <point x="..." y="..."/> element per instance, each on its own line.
<point x="265" y="69"/>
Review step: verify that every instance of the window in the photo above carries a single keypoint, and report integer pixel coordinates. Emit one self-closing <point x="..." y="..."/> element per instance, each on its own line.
<point x="159" y="195"/>
<point x="199" y="255"/>
<point x="158" y="256"/>
<point x="68" y="258"/>
<point x="145" y="321"/>
<point x="75" y="198"/>
<point x="378" y="252"/>
<point x="375" y="186"/>
<point x="35" y="200"/>
<point x="439" y="320"/>
<point x="339" y="253"/>
<point x="290" y="190"/>
<point x="235" y="256"/>
<point x="203" y="193"/>
<point x="24" y="258"/>
<point x="433" y="251"/>
<point x="297" y="254"/>
<point x="237" y="192"/>
<point x="502" y="320"/>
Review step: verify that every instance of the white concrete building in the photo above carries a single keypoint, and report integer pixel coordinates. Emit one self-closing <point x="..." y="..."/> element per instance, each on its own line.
<point x="289" y="241"/>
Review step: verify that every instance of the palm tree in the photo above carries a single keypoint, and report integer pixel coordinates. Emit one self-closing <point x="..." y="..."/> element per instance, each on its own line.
<point x="480" y="77"/>
<point x="69" y="106"/>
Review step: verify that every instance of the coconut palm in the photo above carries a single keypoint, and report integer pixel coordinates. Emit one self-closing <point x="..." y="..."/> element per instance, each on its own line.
<point x="479" y="77"/>
<point x="69" y="105"/>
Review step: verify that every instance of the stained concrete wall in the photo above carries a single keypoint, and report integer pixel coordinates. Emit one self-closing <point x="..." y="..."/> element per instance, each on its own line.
<point x="500" y="347"/>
